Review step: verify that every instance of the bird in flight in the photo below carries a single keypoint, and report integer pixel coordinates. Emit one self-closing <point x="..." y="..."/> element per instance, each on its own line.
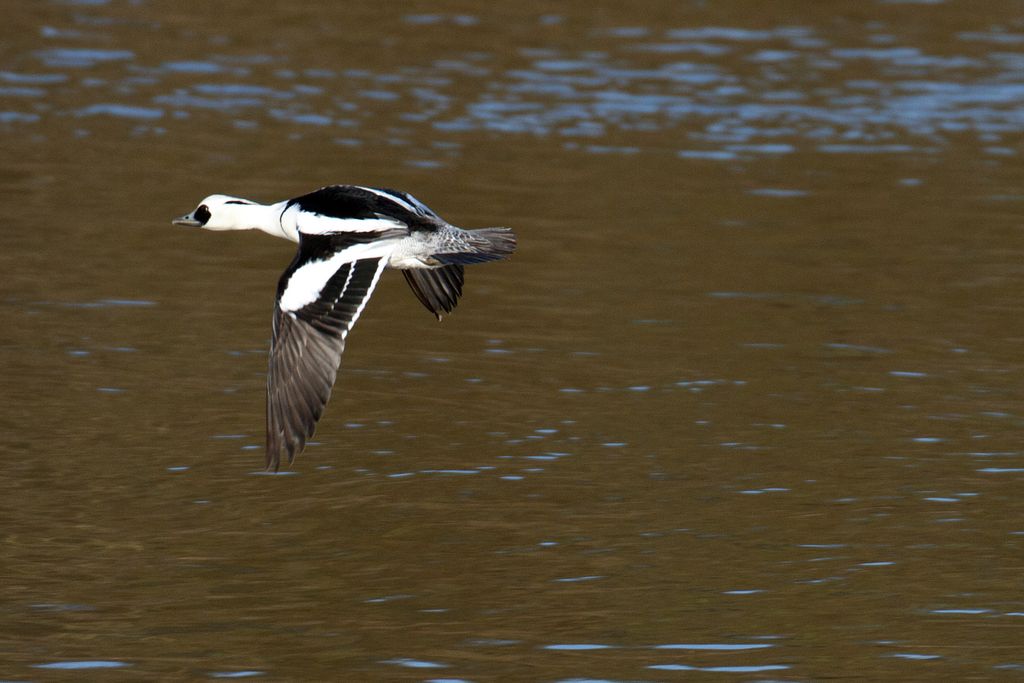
<point x="347" y="235"/>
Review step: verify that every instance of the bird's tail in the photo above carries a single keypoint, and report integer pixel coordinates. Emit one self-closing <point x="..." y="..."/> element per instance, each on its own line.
<point x="479" y="246"/>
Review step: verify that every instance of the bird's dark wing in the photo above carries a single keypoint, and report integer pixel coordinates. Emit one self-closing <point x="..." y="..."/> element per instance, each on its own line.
<point x="320" y="297"/>
<point x="438" y="289"/>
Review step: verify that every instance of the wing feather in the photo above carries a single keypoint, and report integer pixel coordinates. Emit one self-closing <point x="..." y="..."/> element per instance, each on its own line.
<point x="438" y="289"/>
<point x="305" y="352"/>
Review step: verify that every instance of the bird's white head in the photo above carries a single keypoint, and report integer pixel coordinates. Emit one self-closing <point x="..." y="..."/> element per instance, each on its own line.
<point x="221" y="212"/>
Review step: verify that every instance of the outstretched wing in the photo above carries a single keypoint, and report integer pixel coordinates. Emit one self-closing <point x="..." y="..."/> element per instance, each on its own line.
<point x="319" y="299"/>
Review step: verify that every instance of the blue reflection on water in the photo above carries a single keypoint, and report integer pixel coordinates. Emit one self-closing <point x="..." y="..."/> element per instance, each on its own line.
<point x="237" y="674"/>
<point x="83" y="664"/>
<point x="752" y="669"/>
<point x="121" y="111"/>
<point x="723" y="647"/>
<point x="732" y="92"/>
<point x="413" y="663"/>
<point x="81" y="57"/>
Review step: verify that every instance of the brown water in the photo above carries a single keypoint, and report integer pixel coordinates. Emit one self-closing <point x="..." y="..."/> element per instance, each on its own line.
<point x="746" y="405"/>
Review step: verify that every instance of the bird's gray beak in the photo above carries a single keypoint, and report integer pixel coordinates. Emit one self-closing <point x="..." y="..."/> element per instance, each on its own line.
<point x="187" y="220"/>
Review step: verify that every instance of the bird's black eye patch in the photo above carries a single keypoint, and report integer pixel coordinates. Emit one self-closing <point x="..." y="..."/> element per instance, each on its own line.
<point x="237" y="201"/>
<point x="202" y="214"/>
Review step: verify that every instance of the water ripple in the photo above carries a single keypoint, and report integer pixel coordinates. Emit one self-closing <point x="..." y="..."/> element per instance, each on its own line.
<point x="83" y="665"/>
<point x="81" y="57"/>
<point x="734" y="93"/>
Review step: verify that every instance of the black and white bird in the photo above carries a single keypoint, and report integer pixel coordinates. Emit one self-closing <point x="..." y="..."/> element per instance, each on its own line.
<point x="347" y="235"/>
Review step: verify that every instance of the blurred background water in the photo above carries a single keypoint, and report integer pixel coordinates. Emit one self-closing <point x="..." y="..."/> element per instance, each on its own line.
<point x="746" y="403"/>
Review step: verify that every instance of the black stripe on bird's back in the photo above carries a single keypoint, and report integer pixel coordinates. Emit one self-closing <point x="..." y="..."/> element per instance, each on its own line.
<point x="351" y="202"/>
<point x="420" y="206"/>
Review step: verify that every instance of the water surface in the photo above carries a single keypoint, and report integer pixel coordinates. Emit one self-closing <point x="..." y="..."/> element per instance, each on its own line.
<point x="746" y="402"/>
